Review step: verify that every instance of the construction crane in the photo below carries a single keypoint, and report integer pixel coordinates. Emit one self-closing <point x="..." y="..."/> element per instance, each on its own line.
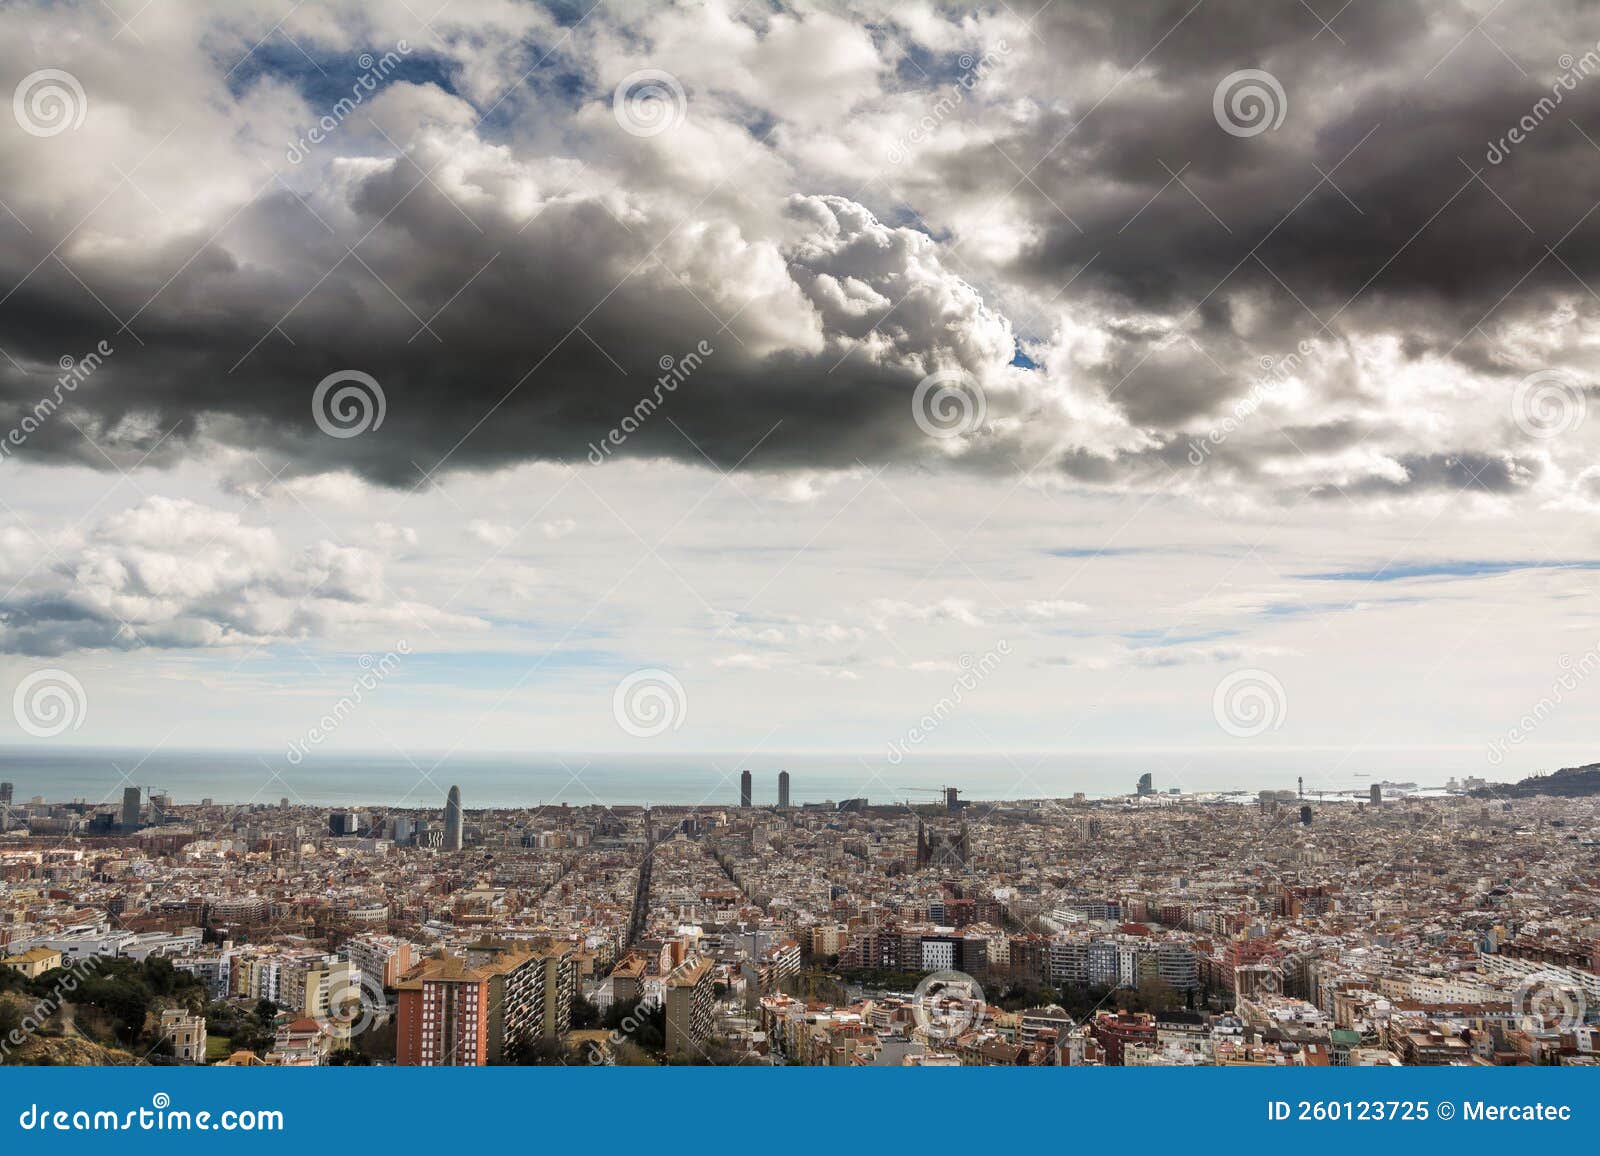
<point x="951" y="795"/>
<point x="151" y="793"/>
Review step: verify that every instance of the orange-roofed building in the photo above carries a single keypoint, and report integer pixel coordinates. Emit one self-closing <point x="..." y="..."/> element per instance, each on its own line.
<point x="443" y="1018"/>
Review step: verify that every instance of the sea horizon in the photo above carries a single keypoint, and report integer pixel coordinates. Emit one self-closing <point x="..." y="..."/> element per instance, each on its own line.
<point x="529" y="779"/>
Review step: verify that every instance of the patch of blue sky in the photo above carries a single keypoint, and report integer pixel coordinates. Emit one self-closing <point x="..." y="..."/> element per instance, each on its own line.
<point x="1462" y="568"/>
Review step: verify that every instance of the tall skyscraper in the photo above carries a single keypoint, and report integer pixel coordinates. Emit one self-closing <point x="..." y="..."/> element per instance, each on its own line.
<point x="452" y="820"/>
<point x="744" y="788"/>
<point x="130" y="808"/>
<point x="6" y="792"/>
<point x="783" y="788"/>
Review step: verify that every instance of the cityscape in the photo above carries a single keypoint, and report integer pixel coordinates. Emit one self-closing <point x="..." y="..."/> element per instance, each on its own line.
<point x="804" y="534"/>
<point x="1401" y="927"/>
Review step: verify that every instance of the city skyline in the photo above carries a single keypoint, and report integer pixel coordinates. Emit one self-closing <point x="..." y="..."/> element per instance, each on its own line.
<point x="1146" y="931"/>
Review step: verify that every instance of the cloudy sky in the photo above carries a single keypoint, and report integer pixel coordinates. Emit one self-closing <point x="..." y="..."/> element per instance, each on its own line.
<point x="1187" y="376"/>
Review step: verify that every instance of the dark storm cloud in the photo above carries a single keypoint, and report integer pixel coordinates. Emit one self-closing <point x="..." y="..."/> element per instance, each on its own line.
<point x="524" y="313"/>
<point x="1401" y="114"/>
<point x="519" y="364"/>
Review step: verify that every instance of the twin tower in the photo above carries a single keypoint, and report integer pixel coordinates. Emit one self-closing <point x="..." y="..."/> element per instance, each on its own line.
<point x="745" y="793"/>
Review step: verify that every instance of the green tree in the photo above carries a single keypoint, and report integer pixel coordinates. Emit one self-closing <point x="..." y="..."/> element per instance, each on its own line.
<point x="645" y="1025"/>
<point x="544" y="1052"/>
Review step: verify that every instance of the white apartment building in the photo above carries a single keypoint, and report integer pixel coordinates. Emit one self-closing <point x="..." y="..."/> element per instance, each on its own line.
<point x="160" y="943"/>
<point x="79" y="943"/>
<point x="324" y="983"/>
<point x="214" y="969"/>
<point x="382" y="959"/>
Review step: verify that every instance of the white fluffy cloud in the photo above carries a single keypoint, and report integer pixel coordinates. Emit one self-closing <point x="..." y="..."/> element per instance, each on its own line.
<point x="173" y="573"/>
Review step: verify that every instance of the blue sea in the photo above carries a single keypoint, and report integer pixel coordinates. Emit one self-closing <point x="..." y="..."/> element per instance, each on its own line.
<point x="62" y="774"/>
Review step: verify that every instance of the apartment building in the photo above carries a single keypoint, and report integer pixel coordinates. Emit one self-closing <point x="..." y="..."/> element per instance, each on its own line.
<point x="443" y="1018"/>
<point x="325" y="983"/>
<point x="482" y="1008"/>
<point x="689" y="999"/>
<point x="381" y="959"/>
